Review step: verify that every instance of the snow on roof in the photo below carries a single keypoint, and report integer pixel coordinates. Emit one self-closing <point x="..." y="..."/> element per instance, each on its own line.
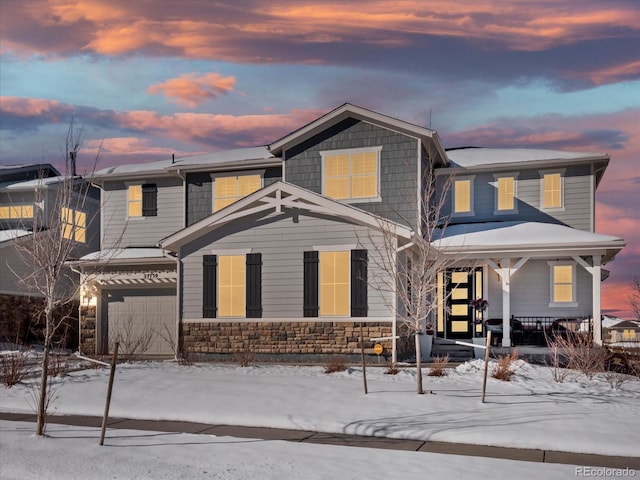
<point x="475" y="157"/>
<point x="504" y="234"/>
<point x="12" y="234"/>
<point x="609" y="322"/>
<point x="158" y="166"/>
<point x="226" y="156"/>
<point x="123" y="254"/>
<point x="31" y="184"/>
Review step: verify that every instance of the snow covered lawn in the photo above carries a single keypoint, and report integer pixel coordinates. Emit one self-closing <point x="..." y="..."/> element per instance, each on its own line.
<point x="532" y="411"/>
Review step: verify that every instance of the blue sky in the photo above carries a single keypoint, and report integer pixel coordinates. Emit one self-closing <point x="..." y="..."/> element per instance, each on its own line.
<point x="150" y="78"/>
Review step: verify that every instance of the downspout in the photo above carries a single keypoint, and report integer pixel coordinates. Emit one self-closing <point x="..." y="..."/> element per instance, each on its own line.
<point x="166" y="254"/>
<point x="394" y="333"/>
<point x="79" y="272"/>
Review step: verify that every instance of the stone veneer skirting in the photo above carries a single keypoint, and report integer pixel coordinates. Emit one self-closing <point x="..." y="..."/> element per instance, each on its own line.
<point x="88" y="330"/>
<point x="296" y="338"/>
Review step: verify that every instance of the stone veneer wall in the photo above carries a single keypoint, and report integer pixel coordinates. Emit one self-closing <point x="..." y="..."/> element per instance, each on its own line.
<point x="297" y="338"/>
<point x="88" y="330"/>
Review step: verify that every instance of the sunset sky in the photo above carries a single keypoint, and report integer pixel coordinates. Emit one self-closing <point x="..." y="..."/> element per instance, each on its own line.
<point x="149" y="78"/>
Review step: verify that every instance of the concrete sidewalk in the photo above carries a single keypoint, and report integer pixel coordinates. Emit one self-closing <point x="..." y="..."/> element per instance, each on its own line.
<point x="523" y="454"/>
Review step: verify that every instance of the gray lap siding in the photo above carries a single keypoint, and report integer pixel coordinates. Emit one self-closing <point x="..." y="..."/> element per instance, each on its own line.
<point x="281" y="239"/>
<point x="121" y="231"/>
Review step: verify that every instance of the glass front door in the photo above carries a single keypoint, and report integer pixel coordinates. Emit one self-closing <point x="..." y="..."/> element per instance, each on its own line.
<point x="459" y="296"/>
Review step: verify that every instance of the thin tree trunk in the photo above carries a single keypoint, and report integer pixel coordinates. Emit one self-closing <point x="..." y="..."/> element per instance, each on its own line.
<point x="42" y="400"/>
<point x="418" y="363"/>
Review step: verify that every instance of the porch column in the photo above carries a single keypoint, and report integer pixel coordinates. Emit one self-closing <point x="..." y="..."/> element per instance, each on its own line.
<point x="596" y="274"/>
<point x="506" y="302"/>
<point x="595" y="286"/>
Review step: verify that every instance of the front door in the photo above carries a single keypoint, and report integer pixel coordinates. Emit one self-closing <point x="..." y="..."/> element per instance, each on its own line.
<point x="459" y="293"/>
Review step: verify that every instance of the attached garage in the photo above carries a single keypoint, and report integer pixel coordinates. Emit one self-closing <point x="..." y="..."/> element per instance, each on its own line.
<point x="142" y="319"/>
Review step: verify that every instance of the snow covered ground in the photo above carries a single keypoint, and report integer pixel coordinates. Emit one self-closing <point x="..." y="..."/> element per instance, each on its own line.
<point x="532" y="411"/>
<point x="73" y="453"/>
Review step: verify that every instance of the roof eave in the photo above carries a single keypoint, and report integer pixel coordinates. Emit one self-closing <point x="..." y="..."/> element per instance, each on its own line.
<point x="554" y="162"/>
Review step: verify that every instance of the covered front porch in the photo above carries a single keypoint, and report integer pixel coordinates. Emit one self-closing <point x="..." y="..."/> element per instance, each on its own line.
<point x="521" y="280"/>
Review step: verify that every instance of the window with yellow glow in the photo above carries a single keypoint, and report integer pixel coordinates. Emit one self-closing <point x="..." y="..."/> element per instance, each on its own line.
<point x="335" y="284"/>
<point x="506" y="193"/>
<point x="16" y="211"/>
<point x="135" y="200"/>
<point x="552" y="190"/>
<point x="462" y="193"/>
<point x="228" y="190"/>
<point x="231" y="286"/>
<point x="73" y="224"/>
<point x="563" y="280"/>
<point x="351" y="175"/>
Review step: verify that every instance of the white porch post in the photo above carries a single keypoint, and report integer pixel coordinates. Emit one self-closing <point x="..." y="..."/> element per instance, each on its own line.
<point x="596" y="271"/>
<point x="595" y="285"/>
<point x="506" y="302"/>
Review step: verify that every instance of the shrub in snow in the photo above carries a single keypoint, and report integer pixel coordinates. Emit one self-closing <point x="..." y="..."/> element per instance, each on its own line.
<point x="336" y="363"/>
<point x="505" y="367"/>
<point x="439" y="366"/>
<point x="13" y="367"/>
<point x="245" y="357"/>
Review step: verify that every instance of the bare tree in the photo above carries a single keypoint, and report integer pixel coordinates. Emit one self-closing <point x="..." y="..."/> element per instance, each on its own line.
<point x="61" y="218"/>
<point x="412" y="271"/>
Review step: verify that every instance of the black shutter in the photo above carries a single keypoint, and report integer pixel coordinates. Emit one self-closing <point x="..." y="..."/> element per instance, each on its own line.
<point x="359" y="282"/>
<point x="310" y="302"/>
<point x="149" y="200"/>
<point x="254" y="285"/>
<point x="209" y="286"/>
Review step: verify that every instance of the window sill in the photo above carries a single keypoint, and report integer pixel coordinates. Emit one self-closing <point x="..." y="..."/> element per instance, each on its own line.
<point x="358" y="200"/>
<point x="506" y="212"/>
<point x="563" y="304"/>
<point x="463" y="214"/>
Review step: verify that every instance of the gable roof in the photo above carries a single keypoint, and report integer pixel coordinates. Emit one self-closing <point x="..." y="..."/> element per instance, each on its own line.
<point x="427" y="136"/>
<point x="275" y="197"/>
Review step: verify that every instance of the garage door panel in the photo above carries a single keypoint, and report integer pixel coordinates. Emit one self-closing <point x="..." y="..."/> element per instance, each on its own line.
<point x="141" y="316"/>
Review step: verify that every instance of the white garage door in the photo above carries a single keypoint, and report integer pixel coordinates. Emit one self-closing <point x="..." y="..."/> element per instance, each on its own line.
<point x="142" y="320"/>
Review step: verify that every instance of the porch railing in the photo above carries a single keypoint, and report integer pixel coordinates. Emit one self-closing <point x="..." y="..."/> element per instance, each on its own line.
<point x="535" y="330"/>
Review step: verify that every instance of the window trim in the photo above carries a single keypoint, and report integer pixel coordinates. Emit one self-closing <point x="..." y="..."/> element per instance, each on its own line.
<point x="75" y="227"/>
<point x="497" y="177"/>
<point x="142" y="216"/>
<point x="244" y="173"/>
<point x="543" y="173"/>
<point x="552" y="284"/>
<point x="351" y="151"/>
<point x="471" y="212"/>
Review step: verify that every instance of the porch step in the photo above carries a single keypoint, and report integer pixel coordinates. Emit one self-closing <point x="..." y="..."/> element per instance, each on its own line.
<point x="457" y="353"/>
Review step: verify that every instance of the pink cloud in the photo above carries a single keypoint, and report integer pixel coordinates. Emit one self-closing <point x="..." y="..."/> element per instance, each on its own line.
<point x="191" y="90"/>
<point x="235" y="33"/>
<point x="30" y="107"/>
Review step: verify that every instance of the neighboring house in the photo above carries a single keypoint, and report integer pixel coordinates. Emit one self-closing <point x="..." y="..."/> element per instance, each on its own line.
<point x="276" y="249"/>
<point x="30" y="204"/>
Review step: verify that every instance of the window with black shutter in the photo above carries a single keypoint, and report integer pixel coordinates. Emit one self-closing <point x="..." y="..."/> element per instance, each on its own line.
<point x="209" y="286"/>
<point x="359" y="300"/>
<point x="149" y="200"/>
<point x="254" y="285"/>
<point x="310" y="301"/>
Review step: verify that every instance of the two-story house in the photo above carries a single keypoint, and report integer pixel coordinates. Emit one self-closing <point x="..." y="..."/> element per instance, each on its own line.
<point x="33" y="200"/>
<point x="277" y="248"/>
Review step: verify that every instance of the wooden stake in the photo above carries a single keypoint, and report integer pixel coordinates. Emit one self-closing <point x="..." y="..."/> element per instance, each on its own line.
<point x="364" y="368"/>
<point x="486" y="364"/>
<point x="112" y="375"/>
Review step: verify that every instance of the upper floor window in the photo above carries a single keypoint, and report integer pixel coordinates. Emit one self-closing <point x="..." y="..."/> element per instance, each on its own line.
<point x="73" y="224"/>
<point x="552" y="190"/>
<point x="463" y="196"/>
<point x="505" y="193"/>
<point x="142" y="200"/>
<point x="16" y="211"/>
<point x="351" y="174"/>
<point x="227" y="190"/>
<point x="563" y="284"/>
